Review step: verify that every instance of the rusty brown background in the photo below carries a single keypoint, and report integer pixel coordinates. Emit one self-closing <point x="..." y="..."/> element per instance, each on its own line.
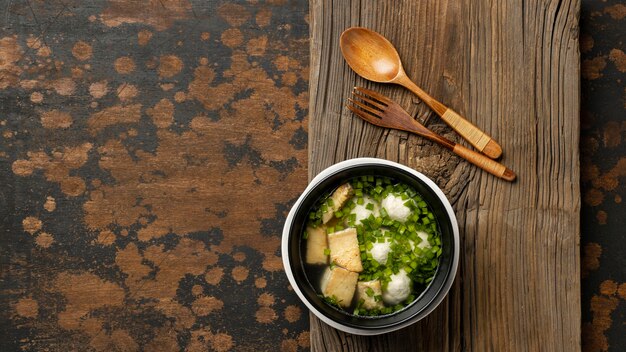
<point x="151" y="149"/>
<point x="603" y="175"/>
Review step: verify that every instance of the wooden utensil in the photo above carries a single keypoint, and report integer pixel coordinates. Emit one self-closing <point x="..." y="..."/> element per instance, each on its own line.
<point x="379" y="110"/>
<point x="374" y="58"/>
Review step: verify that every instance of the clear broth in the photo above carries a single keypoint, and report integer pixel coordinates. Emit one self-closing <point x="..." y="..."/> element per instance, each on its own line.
<point x="315" y="272"/>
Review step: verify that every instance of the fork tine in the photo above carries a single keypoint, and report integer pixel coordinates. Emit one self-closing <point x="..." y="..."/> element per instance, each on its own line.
<point x="364" y="115"/>
<point x="370" y="101"/>
<point x="365" y="107"/>
<point x="375" y="95"/>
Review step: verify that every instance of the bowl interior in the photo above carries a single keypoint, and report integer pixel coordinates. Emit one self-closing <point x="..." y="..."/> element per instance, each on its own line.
<point x="296" y="246"/>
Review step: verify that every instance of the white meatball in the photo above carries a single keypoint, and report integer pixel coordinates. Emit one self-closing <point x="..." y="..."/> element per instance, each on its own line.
<point x="398" y="289"/>
<point x="362" y="212"/>
<point x="395" y="208"/>
<point x="424" y="243"/>
<point x="380" y="251"/>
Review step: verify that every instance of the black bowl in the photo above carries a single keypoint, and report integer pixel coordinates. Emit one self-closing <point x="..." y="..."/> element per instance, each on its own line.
<point x="293" y="246"/>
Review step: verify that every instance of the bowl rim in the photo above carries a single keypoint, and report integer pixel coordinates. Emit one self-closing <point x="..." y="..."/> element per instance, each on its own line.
<point x="338" y="167"/>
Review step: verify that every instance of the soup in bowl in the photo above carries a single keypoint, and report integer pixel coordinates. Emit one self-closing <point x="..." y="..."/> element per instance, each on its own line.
<point x="371" y="246"/>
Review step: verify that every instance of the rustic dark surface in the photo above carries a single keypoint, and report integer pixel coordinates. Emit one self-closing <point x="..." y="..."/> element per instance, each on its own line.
<point x="149" y="153"/>
<point x="603" y="175"/>
<point x="42" y="273"/>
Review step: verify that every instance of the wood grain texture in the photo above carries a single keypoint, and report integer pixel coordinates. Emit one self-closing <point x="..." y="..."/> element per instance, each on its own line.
<point x="511" y="67"/>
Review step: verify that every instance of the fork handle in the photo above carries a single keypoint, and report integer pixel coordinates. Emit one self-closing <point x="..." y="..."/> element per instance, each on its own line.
<point x="491" y="166"/>
<point x="479" y="139"/>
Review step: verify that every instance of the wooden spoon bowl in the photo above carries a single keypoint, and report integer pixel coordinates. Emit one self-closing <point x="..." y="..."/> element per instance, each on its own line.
<point x="371" y="55"/>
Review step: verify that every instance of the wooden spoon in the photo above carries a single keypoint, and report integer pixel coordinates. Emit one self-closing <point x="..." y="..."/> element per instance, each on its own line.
<point x="374" y="58"/>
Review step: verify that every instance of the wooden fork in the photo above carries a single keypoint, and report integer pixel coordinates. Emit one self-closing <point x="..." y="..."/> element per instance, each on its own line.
<point x="381" y="111"/>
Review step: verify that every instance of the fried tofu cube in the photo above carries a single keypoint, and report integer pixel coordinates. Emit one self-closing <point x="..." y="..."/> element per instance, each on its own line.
<point x="339" y="198"/>
<point x="316" y="244"/>
<point x="368" y="291"/>
<point x="339" y="284"/>
<point x="344" y="249"/>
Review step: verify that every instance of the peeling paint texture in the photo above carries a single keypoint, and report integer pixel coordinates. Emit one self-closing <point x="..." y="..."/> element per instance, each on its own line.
<point x="149" y="152"/>
<point x="603" y="175"/>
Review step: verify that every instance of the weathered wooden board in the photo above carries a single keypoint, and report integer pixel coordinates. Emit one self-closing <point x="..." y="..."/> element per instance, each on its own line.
<point x="511" y="67"/>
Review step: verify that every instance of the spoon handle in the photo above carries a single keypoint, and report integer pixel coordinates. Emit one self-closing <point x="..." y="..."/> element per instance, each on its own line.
<point x="479" y="139"/>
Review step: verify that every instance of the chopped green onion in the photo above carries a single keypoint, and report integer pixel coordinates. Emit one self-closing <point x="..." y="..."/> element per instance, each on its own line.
<point x="401" y="237"/>
<point x="332" y="300"/>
